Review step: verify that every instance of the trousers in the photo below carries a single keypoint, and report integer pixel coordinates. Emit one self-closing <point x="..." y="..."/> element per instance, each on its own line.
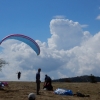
<point x="38" y="87"/>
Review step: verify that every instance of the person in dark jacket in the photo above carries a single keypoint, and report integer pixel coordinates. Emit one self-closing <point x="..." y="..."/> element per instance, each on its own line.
<point x="38" y="80"/>
<point x="48" y="83"/>
<point x="47" y="79"/>
<point x="19" y="75"/>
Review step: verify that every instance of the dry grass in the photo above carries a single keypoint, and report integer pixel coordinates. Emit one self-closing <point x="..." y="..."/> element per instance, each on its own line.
<point x="20" y="91"/>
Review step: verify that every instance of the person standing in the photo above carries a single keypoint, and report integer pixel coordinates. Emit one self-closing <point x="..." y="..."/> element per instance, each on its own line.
<point x="38" y="80"/>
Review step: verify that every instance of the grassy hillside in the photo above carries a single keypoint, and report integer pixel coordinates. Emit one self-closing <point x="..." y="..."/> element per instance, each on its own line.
<point x="20" y="91"/>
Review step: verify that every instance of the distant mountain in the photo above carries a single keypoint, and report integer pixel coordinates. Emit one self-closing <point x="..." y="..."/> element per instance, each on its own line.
<point x="84" y="78"/>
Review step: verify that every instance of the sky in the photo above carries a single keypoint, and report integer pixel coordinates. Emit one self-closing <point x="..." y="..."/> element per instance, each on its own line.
<point x="67" y="32"/>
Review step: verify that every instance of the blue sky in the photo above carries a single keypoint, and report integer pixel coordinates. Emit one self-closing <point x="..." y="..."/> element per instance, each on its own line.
<point x="67" y="32"/>
<point x="33" y="17"/>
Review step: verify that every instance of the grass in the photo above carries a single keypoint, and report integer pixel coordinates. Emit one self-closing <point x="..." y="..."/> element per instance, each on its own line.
<point x="20" y="90"/>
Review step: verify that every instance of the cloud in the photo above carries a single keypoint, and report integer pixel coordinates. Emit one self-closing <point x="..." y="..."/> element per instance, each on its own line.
<point x="59" y="17"/>
<point x="65" y="34"/>
<point x="84" y="26"/>
<point x="69" y="51"/>
<point x="98" y="17"/>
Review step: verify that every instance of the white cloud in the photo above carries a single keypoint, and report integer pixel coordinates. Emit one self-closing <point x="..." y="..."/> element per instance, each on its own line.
<point x="65" y="34"/>
<point x="84" y="26"/>
<point x="70" y="51"/>
<point x="98" y="17"/>
<point x="59" y="17"/>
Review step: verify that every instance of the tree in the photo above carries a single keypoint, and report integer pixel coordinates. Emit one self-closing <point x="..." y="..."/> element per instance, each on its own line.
<point x="2" y="63"/>
<point x="93" y="79"/>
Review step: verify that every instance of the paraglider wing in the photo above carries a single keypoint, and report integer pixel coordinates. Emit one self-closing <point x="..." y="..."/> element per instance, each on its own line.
<point x="29" y="41"/>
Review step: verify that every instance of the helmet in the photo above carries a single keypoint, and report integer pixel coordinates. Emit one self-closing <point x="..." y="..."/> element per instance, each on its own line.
<point x="31" y="96"/>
